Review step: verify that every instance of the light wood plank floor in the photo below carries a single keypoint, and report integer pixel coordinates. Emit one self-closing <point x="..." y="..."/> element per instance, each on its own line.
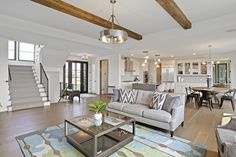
<point x="199" y="124"/>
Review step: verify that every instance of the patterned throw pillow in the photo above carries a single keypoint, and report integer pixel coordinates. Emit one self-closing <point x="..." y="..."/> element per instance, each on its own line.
<point x="158" y="100"/>
<point x="127" y="96"/>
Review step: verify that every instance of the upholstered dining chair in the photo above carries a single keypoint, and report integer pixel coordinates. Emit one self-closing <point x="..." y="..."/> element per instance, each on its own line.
<point x="228" y="96"/>
<point x="207" y="97"/>
<point x="192" y="95"/>
<point x="226" y="139"/>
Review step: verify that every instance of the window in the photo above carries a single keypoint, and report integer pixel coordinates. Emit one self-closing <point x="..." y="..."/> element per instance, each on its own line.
<point x="26" y="51"/>
<point x="11" y="50"/>
<point x="22" y="51"/>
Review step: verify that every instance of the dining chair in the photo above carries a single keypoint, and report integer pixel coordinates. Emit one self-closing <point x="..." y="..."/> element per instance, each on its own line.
<point x="172" y="88"/>
<point x="192" y="95"/>
<point x="207" y="97"/>
<point x="167" y="87"/>
<point x="228" y="96"/>
<point x="161" y="87"/>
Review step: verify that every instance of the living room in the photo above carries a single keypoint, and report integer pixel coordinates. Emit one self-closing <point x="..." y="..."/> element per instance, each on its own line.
<point x="57" y="62"/>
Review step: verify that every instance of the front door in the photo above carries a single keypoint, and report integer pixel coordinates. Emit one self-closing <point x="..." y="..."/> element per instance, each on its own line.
<point x="76" y="75"/>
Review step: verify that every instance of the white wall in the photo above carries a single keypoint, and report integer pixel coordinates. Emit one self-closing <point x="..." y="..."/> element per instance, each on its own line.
<point x="152" y="70"/>
<point x="233" y="69"/>
<point x="54" y="89"/>
<point x="114" y="70"/>
<point x="53" y="62"/>
<point x="4" y="92"/>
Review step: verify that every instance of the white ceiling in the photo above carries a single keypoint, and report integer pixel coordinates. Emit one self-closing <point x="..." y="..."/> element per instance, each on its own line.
<point x="161" y="33"/>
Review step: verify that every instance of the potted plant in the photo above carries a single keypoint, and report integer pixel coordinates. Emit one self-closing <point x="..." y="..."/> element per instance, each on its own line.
<point x="98" y="108"/>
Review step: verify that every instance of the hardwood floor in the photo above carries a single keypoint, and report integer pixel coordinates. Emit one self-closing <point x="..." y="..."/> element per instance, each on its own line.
<point x="199" y="124"/>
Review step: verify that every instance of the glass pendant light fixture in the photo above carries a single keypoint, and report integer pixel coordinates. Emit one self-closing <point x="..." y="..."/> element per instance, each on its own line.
<point x="210" y="60"/>
<point x="112" y="35"/>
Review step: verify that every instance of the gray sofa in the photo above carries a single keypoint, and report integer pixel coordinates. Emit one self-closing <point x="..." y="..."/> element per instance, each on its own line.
<point x="226" y="139"/>
<point x="141" y="111"/>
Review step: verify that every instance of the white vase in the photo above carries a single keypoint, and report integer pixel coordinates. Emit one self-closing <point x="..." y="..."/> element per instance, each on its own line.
<point x="98" y="116"/>
<point x="98" y="122"/>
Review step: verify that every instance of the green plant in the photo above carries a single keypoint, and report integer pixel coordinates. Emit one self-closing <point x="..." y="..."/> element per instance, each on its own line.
<point x="97" y="107"/>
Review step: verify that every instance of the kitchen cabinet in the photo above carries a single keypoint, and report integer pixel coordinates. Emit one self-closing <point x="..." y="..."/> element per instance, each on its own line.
<point x="180" y="68"/>
<point x="122" y="66"/>
<point x="192" y="68"/>
<point x="195" y="68"/>
<point x="187" y="68"/>
<point x="137" y="67"/>
<point x="203" y="68"/>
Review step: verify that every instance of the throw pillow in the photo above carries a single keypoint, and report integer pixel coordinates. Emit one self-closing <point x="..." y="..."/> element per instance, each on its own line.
<point x="127" y="96"/>
<point x="170" y="103"/>
<point x="144" y="97"/>
<point x="158" y="100"/>
<point x="116" y="95"/>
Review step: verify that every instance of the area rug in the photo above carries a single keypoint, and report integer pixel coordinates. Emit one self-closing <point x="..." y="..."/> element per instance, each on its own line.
<point x="50" y="142"/>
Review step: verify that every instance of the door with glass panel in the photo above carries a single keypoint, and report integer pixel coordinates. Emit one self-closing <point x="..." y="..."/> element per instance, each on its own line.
<point x="76" y="75"/>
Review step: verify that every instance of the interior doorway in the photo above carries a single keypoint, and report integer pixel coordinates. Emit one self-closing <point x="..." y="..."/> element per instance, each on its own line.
<point x="104" y="76"/>
<point x="158" y="72"/>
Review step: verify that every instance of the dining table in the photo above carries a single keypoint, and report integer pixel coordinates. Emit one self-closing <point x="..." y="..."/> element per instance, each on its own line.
<point x="213" y="91"/>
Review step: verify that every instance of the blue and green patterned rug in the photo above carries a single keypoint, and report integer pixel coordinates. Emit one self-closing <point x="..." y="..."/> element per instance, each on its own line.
<point x="51" y="142"/>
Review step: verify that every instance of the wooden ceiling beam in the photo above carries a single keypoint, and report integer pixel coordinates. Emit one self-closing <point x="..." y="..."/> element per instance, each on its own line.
<point x="84" y="15"/>
<point x="172" y="8"/>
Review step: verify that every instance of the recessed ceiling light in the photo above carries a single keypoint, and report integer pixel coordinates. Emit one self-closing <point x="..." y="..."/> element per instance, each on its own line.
<point x="158" y="59"/>
<point x="194" y="54"/>
<point x="172" y="56"/>
<point x="146" y="57"/>
<point x="132" y="55"/>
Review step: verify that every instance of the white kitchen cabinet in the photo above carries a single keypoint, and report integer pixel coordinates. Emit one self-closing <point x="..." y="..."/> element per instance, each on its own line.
<point x="122" y="66"/>
<point x="137" y="67"/>
<point x="193" y="67"/>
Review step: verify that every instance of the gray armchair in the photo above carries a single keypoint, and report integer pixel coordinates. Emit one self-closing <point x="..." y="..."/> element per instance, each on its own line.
<point x="226" y="139"/>
<point x="228" y="96"/>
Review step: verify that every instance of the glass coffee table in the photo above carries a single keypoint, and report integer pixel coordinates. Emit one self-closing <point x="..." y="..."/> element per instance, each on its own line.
<point x="99" y="138"/>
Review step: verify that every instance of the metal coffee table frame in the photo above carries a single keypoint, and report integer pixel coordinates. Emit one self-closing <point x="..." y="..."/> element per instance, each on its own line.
<point x="95" y="137"/>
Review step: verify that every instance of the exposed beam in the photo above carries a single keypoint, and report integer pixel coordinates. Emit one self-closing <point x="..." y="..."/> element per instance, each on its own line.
<point x="172" y="8"/>
<point x="84" y="15"/>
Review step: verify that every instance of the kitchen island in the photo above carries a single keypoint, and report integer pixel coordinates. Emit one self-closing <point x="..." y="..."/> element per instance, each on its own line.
<point x="144" y="86"/>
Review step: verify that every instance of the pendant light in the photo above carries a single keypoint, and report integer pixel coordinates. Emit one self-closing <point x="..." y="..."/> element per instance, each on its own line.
<point x="113" y="36"/>
<point x="210" y="60"/>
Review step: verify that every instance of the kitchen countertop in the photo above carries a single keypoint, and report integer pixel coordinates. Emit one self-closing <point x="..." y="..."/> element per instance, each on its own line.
<point x="130" y="81"/>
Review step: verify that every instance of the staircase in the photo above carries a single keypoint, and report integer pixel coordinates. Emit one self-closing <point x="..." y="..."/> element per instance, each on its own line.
<point x="25" y="92"/>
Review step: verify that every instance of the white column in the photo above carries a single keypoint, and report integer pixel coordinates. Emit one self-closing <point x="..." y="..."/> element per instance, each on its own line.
<point x="4" y="92"/>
